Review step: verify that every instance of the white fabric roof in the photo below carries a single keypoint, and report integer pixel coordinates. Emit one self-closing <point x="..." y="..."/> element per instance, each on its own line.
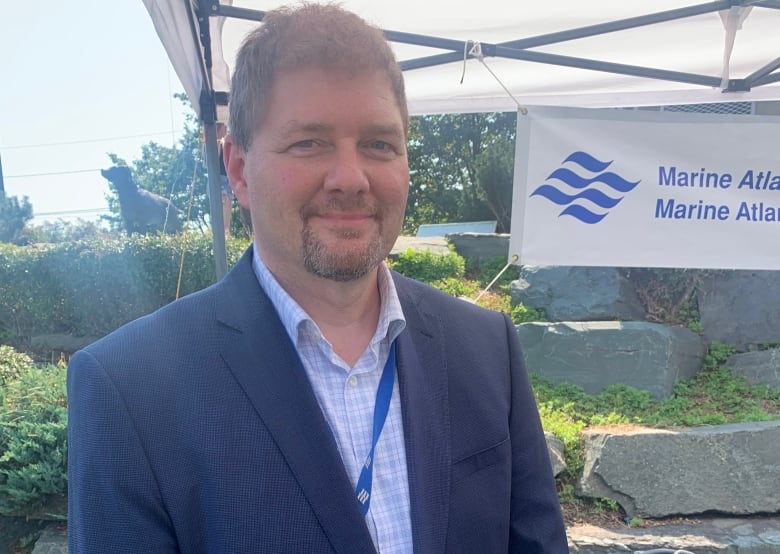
<point x="695" y="46"/>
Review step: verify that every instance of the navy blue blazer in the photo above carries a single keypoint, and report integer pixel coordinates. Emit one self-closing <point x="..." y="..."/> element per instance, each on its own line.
<point x="195" y="430"/>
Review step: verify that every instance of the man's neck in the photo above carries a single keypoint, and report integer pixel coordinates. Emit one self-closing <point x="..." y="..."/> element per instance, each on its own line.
<point x="347" y="313"/>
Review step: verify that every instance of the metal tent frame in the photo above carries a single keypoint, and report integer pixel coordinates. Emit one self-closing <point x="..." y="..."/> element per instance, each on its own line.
<point x="206" y="17"/>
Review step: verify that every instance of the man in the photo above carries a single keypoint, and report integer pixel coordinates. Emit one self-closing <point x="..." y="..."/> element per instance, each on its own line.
<point x="312" y="401"/>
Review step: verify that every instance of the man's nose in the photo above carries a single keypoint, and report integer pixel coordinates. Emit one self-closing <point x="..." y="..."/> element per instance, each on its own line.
<point x="347" y="172"/>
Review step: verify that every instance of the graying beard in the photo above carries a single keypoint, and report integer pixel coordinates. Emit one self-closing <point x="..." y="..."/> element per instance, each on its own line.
<point x="319" y="262"/>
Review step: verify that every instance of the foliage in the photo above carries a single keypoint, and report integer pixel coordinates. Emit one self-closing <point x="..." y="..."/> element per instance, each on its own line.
<point x="457" y="287"/>
<point x="428" y="267"/>
<point x="458" y="167"/>
<point x="33" y="440"/>
<point x="14" y="215"/>
<point x="11" y="364"/>
<point x="521" y="313"/>
<point x="88" y="288"/>
<point x="495" y="180"/>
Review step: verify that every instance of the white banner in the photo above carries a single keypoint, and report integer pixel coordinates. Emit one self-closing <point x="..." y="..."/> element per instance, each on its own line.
<point x="646" y="189"/>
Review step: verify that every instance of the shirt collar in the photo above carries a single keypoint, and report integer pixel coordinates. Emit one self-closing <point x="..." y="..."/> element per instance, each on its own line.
<point x="297" y="322"/>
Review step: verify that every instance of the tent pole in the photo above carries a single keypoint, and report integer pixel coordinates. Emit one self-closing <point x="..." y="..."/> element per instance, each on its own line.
<point x="215" y="199"/>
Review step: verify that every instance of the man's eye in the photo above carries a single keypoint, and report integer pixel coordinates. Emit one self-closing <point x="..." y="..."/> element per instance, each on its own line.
<point x="304" y="144"/>
<point x="381" y="145"/>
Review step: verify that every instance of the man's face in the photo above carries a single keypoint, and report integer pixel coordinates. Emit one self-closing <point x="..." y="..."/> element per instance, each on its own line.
<point x="326" y="177"/>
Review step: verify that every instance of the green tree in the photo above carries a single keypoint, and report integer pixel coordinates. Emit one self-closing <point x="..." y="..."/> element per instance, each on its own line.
<point x="495" y="172"/>
<point x="14" y="215"/>
<point x="449" y="162"/>
<point x="177" y="172"/>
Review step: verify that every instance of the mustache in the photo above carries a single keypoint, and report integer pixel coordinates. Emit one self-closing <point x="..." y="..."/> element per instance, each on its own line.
<point x="339" y="205"/>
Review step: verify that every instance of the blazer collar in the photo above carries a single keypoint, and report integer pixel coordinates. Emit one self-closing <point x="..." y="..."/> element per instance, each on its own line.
<point x="422" y="376"/>
<point x="261" y="357"/>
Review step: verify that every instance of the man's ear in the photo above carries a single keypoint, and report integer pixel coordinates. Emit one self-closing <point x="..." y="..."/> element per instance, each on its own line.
<point x="234" y="158"/>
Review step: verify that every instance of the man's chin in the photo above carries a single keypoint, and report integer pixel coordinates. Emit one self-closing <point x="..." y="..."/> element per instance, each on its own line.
<point x="343" y="262"/>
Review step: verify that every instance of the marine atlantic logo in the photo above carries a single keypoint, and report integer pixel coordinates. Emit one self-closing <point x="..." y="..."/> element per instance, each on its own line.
<point x="578" y="184"/>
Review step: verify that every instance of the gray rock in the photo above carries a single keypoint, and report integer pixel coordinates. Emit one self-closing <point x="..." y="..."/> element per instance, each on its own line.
<point x="555" y="449"/>
<point x="480" y="246"/>
<point x="759" y="368"/>
<point x="53" y="540"/>
<point x="595" y="355"/>
<point x="577" y="293"/>
<point x="728" y="469"/>
<point x="740" y="307"/>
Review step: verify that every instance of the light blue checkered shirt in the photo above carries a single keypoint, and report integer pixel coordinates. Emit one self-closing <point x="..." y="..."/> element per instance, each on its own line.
<point x="346" y="396"/>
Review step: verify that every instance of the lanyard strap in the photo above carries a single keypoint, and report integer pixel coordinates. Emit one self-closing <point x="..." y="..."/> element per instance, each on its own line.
<point x="383" y="394"/>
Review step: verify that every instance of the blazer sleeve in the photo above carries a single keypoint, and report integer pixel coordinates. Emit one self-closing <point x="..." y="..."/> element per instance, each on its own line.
<point x="536" y="523"/>
<point x="114" y="504"/>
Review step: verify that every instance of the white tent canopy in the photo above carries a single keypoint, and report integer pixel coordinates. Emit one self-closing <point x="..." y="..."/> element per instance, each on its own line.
<point x="603" y="53"/>
<point x="678" y="59"/>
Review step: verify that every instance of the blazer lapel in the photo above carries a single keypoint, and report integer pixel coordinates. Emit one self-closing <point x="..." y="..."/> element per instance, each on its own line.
<point x="422" y="377"/>
<point x="264" y="362"/>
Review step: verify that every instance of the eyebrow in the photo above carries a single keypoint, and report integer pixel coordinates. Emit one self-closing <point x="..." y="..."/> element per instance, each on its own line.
<point x="294" y="126"/>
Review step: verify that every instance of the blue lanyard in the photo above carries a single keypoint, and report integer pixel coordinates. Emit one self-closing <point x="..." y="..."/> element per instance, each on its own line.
<point x="383" y="394"/>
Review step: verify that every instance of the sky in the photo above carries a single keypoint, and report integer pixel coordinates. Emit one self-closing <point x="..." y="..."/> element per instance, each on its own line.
<point x="78" y="81"/>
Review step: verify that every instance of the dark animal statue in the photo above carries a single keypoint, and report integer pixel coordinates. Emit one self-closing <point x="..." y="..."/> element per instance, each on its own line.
<point x="142" y="211"/>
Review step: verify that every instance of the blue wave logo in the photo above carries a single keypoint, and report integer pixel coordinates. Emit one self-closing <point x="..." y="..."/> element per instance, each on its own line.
<point x="583" y="198"/>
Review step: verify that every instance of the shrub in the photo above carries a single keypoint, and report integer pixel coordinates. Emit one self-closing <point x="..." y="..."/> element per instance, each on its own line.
<point x="457" y="287"/>
<point x="428" y="267"/>
<point x="523" y="314"/>
<point x="33" y="440"/>
<point x="11" y="364"/>
<point x="90" y="287"/>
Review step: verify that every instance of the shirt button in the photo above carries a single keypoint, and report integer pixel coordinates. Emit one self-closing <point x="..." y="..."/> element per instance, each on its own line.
<point x="352" y="381"/>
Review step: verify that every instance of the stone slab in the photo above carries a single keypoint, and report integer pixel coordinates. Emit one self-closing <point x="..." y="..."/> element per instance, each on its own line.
<point x="597" y="354"/>
<point x="740" y="308"/>
<point x="713" y="535"/>
<point x="577" y="293"/>
<point x="728" y="469"/>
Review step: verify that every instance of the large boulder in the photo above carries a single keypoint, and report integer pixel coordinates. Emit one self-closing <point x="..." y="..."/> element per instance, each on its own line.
<point x="740" y="307"/>
<point x="577" y="293"/>
<point x="597" y="354"/>
<point x="759" y="368"/>
<point x="480" y="246"/>
<point x="728" y="469"/>
<point x="556" y="451"/>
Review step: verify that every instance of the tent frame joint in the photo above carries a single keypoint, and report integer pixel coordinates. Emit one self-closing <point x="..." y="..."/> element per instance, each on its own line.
<point x="738" y="85"/>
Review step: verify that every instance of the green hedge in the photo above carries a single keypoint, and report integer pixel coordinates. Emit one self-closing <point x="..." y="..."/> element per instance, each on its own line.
<point x="88" y="288"/>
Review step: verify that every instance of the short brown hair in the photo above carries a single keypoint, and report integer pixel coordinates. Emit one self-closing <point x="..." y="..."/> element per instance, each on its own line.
<point x="309" y="35"/>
